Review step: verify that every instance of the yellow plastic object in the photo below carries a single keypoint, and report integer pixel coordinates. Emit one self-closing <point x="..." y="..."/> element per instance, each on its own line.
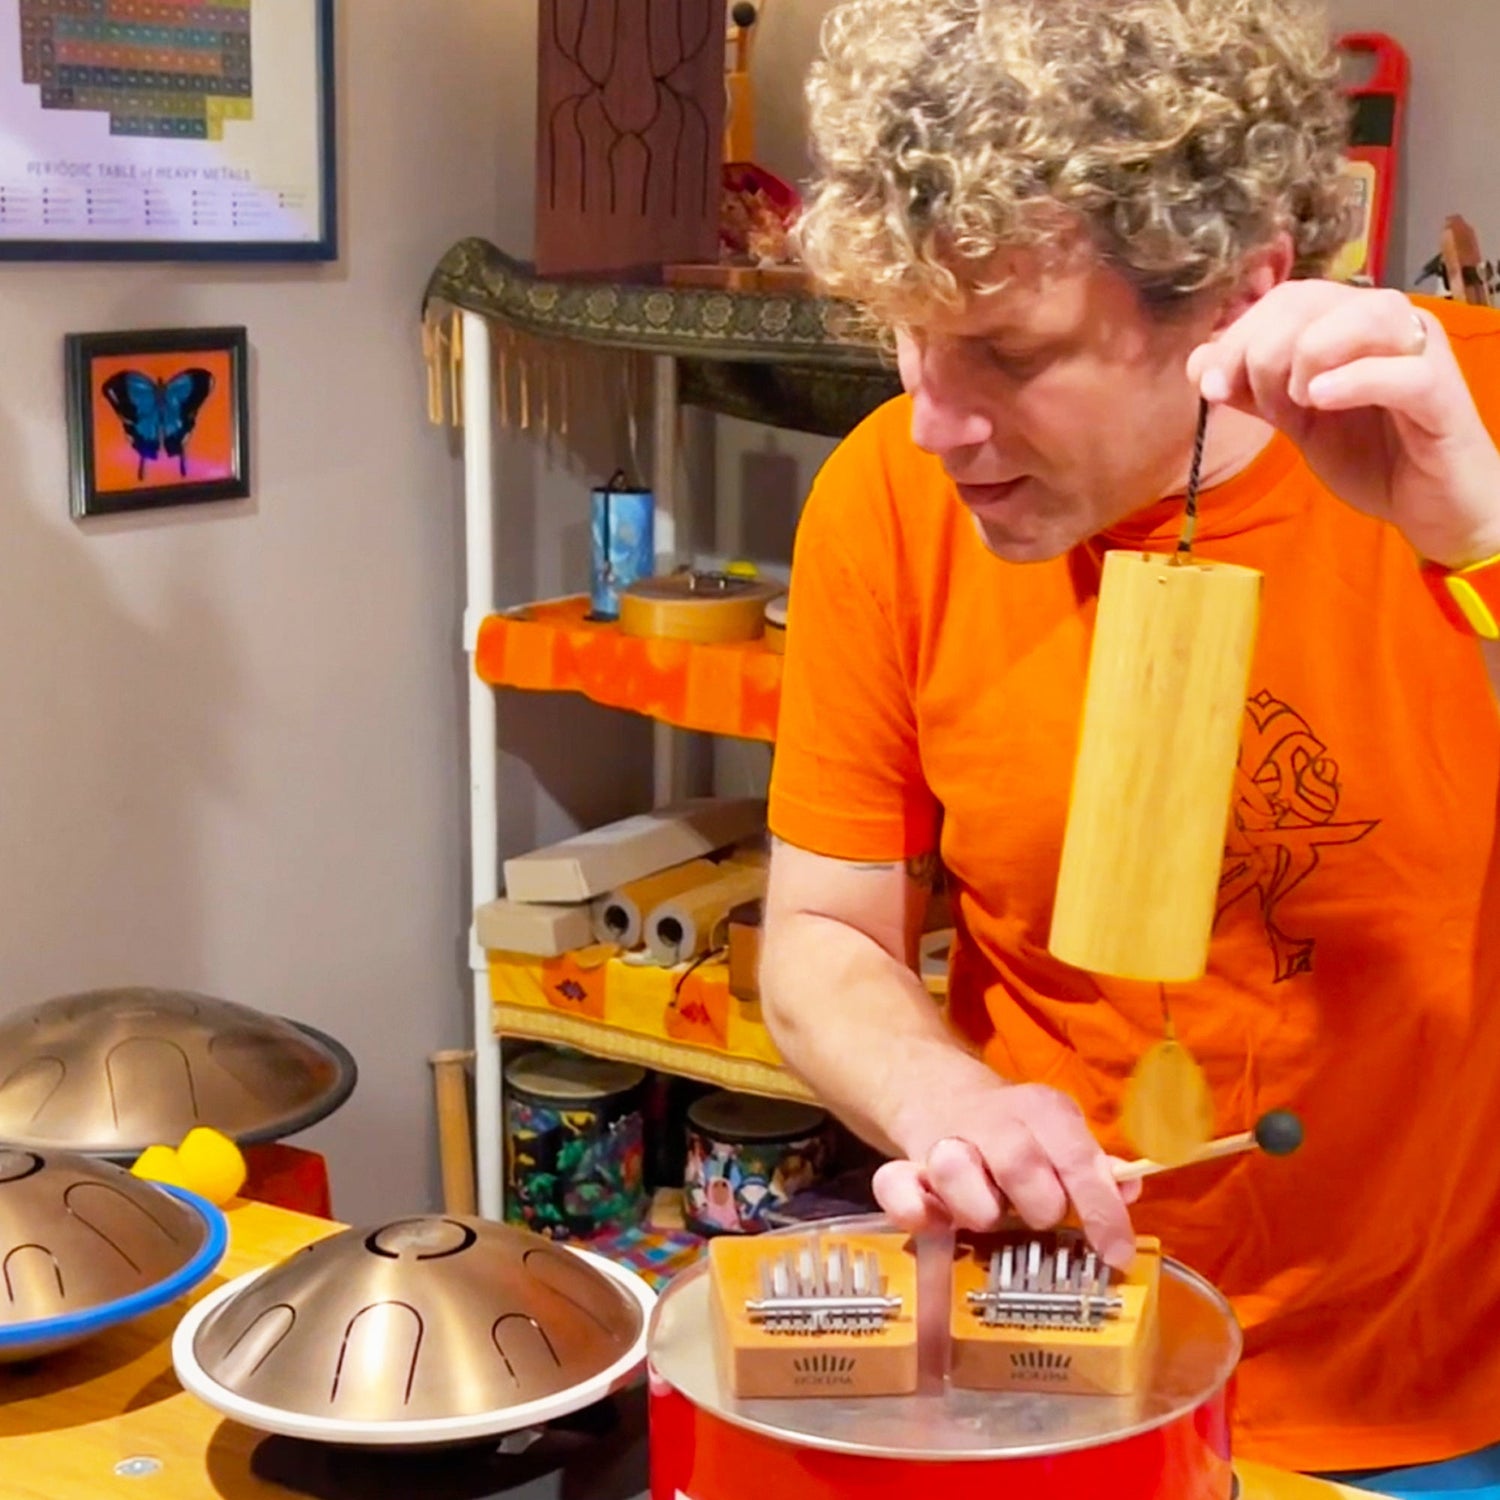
<point x="160" y="1164"/>
<point x="742" y="569"/>
<point x="207" y="1163"/>
<point x="212" y="1165"/>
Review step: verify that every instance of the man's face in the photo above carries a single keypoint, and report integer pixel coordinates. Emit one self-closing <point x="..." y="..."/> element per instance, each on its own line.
<point x="1057" y="404"/>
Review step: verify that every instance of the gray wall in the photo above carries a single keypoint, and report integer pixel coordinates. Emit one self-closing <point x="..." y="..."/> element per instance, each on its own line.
<point x="231" y="738"/>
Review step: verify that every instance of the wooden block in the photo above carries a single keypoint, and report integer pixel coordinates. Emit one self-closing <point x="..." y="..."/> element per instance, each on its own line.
<point x="593" y="863"/>
<point x="756" y="1362"/>
<point x="533" y="928"/>
<point x="1110" y="1360"/>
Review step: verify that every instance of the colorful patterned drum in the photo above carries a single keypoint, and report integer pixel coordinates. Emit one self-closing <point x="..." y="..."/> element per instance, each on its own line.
<point x="1169" y="1441"/>
<point x="574" y="1146"/>
<point x="746" y="1156"/>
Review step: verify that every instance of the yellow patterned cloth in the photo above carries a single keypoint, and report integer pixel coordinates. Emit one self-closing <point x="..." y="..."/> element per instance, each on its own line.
<point x="682" y="1020"/>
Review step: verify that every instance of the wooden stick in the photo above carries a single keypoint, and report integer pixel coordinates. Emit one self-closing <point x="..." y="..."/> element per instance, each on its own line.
<point x="455" y="1148"/>
<point x="1277" y="1133"/>
<point x="1229" y="1145"/>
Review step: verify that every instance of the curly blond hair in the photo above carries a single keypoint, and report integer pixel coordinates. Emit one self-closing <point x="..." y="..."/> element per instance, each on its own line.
<point x="1178" y="134"/>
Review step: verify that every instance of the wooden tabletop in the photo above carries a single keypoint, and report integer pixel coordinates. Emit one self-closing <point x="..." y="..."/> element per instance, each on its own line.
<point x="68" y="1423"/>
<point x="108" y="1419"/>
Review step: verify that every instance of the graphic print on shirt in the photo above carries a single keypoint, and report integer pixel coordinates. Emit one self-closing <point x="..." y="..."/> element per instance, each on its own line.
<point x="1285" y="816"/>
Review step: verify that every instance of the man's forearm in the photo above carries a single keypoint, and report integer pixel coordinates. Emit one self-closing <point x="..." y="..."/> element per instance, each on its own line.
<point x="863" y="1031"/>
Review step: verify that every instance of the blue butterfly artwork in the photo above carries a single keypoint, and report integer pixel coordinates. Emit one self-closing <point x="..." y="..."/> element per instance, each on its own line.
<point x="158" y="415"/>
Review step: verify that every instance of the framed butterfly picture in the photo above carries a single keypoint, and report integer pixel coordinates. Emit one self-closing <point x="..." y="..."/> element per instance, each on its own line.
<point x="157" y="417"/>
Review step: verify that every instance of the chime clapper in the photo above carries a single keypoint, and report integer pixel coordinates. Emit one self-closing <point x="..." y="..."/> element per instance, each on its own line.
<point x="1168" y="1111"/>
<point x="1278" y="1133"/>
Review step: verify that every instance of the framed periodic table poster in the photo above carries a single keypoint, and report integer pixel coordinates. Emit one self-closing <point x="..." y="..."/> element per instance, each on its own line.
<point x="167" y="130"/>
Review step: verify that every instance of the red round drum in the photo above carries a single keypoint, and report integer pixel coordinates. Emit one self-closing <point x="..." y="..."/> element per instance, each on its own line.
<point x="1169" y="1441"/>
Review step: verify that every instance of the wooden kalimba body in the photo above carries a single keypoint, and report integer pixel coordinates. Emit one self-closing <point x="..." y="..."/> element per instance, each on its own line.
<point x="1043" y="1312"/>
<point x="819" y="1314"/>
<point x="824" y="1313"/>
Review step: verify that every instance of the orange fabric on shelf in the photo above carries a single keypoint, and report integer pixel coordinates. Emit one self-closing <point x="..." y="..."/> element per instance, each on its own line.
<point x="688" y="1004"/>
<point x="932" y="700"/>
<point x="730" y="689"/>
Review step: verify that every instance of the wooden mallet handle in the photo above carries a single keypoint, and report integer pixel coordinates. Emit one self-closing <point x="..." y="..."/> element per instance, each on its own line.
<point x="455" y="1142"/>
<point x="1278" y="1133"/>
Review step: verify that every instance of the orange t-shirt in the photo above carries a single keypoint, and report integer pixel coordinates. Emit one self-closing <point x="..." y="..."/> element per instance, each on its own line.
<point x="932" y="698"/>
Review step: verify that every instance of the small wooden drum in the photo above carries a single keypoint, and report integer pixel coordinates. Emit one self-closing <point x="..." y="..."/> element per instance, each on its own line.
<point x="1169" y="1441"/>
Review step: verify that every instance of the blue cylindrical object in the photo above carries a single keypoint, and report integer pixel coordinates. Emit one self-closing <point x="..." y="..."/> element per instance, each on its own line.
<point x="623" y="526"/>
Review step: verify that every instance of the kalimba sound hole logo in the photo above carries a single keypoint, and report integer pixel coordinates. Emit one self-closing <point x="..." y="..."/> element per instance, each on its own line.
<point x="824" y="1370"/>
<point x="1041" y="1366"/>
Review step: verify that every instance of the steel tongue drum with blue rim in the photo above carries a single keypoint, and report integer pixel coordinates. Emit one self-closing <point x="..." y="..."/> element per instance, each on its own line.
<point x="85" y="1247"/>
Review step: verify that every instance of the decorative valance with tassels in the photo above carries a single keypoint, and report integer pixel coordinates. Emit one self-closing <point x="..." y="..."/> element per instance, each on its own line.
<point x="785" y="359"/>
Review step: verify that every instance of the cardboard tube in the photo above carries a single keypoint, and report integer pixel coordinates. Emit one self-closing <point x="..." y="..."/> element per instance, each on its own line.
<point x="619" y="916"/>
<point x="693" y="923"/>
<point x="1138" y="885"/>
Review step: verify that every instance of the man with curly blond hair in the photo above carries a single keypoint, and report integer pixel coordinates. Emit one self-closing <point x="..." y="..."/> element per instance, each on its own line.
<point x="1082" y="222"/>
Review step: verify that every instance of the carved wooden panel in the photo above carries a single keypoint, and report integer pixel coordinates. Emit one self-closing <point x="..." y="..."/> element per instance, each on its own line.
<point x="629" y="134"/>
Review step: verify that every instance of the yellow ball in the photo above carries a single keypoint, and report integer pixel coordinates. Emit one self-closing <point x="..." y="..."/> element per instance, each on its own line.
<point x="159" y="1164"/>
<point x="212" y="1165"/>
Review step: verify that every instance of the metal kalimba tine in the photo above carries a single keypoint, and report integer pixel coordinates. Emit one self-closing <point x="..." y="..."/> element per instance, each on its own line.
<point x="818" y="1289"/>
<point x="1063" y="1285"/>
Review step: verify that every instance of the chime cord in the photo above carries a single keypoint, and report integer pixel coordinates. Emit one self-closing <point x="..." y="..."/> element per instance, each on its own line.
<point x="1195" y="477"/>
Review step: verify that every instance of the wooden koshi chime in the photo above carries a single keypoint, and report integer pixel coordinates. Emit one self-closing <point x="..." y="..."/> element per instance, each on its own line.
<point x="1144" y="847"/>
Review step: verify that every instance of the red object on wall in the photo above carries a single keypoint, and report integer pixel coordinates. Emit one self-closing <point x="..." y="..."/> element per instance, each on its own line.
<point x="288" y="1177"/>
<point x="1374" y="149"/>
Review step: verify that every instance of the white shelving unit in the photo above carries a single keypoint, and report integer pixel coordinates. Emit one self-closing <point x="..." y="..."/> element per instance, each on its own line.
<point x="481" y="496"/>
